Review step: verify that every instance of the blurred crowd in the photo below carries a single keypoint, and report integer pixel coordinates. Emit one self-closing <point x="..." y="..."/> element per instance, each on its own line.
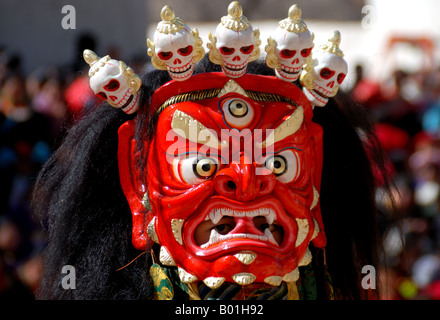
<point x="406" y="111"/>
<point x="35" y="111"/>
<point x="37" y="108"/>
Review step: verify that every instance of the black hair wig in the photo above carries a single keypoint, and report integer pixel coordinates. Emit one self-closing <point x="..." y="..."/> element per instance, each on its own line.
<point x="87" y="220"/>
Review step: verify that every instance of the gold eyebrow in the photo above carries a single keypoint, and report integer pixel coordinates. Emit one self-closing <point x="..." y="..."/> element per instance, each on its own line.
<point x="191" y="129"/>
<point x="285" y="129"/>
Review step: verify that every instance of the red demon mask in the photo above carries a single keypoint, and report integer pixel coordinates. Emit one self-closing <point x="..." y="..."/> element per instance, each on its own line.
<point x="233" y="179"/>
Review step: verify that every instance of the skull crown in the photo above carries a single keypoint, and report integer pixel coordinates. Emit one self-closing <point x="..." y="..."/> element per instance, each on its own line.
<point x="322" y="77"/>
<point x="234" y="44"/>
<point x="176" y="48"/>
<point x="113" y="81"/>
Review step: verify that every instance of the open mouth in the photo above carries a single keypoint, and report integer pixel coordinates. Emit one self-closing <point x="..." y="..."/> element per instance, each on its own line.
<point x="225" y="227"/>
<point x="182" y="72"/>
<point x="128" y="102"/>
<point x="225" y="224"/>
<point x="234" y="70"/>
<point x="183" y="69"/>
<point x="290" y="70"/>
<point x="317" y="96"/>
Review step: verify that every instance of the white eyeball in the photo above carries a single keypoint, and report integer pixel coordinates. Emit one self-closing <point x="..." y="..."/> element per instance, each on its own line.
<point x="284" y="165"/>
<point x="237" y="113"/>
<point x="195" y="169"/>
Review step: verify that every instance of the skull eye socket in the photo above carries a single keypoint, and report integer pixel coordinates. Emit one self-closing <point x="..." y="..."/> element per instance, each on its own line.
<point x="287" y="54"/>
<point x="247" y="50"/>
<point x="326" y="73"/>
<point x="112" y="85"/>
<point x="226" y="51"/>
<point x="341" y="78"/>
<point x="185" y="51"/>
<point x="102" y="95"/>
<point x="306" y="52"/>
<point x="165" y="55"/>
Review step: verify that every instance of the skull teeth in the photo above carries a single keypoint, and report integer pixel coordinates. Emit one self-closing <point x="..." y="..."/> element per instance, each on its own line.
<point x="290" y="69"/>
<point x="325" y="93"/>
<point x="132" y="106"/>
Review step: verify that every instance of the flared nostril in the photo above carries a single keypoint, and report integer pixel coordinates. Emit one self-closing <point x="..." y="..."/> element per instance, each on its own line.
<point x="231" y="185"/>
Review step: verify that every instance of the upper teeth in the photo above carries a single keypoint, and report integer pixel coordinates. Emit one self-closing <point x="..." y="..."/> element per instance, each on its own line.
<point x="216" y="237"/>
<point x="217" y="213"/>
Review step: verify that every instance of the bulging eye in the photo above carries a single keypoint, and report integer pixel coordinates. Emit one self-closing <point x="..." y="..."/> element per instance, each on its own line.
<point x="277" y="165"/>
<point x="287" y="54"/>
<point x="341" y="78"/>
<point x="238" y="108"/>
<point x="185" y="51"/>
<point x="204" y="168"/>
<point x="195" y="169"/>
<point x="284" y="165"/>
<point x="226" y="51"/>
<point x="113" y="85"/>
<point x="247" y="50"/>
<point x="237" y="113"/>
<point x="326" y="73"/>
<point x="165" y="55"/>
<point x="306" y="52"/>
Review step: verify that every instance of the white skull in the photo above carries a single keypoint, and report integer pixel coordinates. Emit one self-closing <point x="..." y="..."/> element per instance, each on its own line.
<point x="176" y="52"/>
<point x="292" y="49"/>
<point x="329" y="72"/>
<point x="113" y="81"/>
<point x="235" y="48"/>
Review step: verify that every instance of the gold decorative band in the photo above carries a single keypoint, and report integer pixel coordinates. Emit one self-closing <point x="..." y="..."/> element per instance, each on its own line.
<point x="211" y="93"/>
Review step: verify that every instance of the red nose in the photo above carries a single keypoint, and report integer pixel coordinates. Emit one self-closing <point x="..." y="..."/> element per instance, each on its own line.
<point x="331" y="84"/>
<point x="236" y="58"/>
<point x="241" y="182"/>
<point x="177" y="61"/>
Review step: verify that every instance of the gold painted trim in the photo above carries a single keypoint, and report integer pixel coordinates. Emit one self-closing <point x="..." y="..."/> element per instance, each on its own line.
<point x="332" y="46"/>
<point x="291" y="125"/>
<point x="294" y="23"/>
<point x="232" y="86"/>
<point x="176" y="227"/>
